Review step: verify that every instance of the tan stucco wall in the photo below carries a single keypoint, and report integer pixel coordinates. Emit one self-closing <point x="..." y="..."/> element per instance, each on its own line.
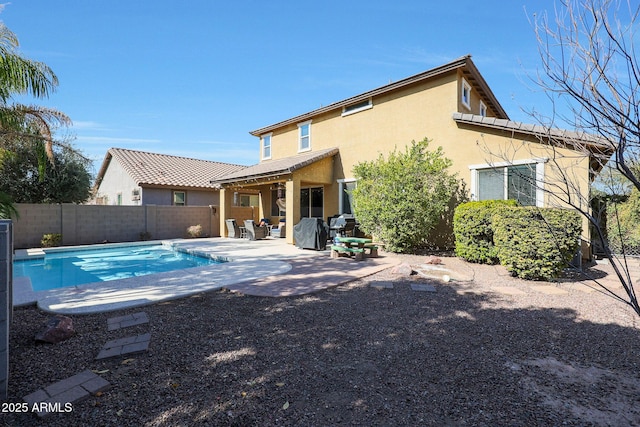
<point x="413" y="113"/>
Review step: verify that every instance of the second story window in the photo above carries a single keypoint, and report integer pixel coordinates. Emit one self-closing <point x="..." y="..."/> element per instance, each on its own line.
<point x="304" y="131"/>
<point x="357" y="107"/>
<point x="266" y="146"/>
<point x="483" y="109"/>
<point x="466" y="94"/>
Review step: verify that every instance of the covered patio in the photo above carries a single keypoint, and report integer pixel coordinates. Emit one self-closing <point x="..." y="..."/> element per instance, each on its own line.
<point x="284" y="189"/>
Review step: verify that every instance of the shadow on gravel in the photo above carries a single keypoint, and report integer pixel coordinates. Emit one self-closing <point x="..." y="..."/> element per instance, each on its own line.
<point x="352" y="355"/>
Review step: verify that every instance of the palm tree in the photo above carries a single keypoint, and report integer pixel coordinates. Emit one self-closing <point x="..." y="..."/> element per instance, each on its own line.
<point x="22" y="76"/>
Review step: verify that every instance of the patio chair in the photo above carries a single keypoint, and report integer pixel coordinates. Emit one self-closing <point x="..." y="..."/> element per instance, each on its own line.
<point x="280" y="230"/>
<point x="234" y="229"/>
<point x="255" y="232"/>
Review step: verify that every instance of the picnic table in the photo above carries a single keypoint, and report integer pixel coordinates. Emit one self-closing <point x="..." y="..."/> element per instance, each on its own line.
<point x="357" y="246"/>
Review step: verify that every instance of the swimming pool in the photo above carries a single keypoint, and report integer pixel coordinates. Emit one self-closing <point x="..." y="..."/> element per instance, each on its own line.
<point x="58" y="269"/>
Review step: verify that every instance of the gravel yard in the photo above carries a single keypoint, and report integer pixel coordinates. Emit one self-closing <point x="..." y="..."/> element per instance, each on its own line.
<point x="484" y="349"/>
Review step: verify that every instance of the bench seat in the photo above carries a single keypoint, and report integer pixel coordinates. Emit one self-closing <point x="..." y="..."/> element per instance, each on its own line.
<point x="336" y="250"/>
<point x="372" y="250"/>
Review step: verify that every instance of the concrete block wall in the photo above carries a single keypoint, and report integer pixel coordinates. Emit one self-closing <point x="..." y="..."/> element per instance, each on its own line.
<point x="173" y="221"/>
<point x="34" y="221"/>
<point x="94" y="223"/>
<point x="89" y="224"/>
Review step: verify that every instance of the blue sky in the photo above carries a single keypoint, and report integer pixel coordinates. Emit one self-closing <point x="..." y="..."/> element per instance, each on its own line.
<point x="193" y="78"/>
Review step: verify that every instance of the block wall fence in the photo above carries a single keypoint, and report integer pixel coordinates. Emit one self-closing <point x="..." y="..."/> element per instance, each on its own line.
<point x="89" y="224"/>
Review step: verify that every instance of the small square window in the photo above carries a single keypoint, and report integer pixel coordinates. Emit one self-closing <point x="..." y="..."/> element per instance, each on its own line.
<point x="179" y="198"/>
<point x="466" y="94"/>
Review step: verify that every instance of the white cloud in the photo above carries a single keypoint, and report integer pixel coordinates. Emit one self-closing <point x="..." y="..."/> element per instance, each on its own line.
<point x="107" y="139"/>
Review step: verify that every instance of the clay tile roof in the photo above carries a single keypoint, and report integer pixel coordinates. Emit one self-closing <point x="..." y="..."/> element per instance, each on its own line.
<point x="163" y="169"/>
<point x="282" y="166"/>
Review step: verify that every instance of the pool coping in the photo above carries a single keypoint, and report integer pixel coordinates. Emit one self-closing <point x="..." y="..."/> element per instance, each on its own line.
<point x="253" y="267"/>
<point x="141" y="290"/>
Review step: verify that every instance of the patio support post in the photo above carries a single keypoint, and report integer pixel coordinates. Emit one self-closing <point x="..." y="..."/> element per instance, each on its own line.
<point x="292" y="187"/>
<point x="225" y="207"/>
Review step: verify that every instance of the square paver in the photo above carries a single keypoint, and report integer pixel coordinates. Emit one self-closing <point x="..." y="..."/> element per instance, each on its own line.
<point x="122" y="346"/>
<point x="508" y="290"/>
<point x="69" y="390"/>
<point x="381" y="284"/>
<point x="421" y="287"/>
<point x="128" y="320"/>
<point x="550" y="290"/>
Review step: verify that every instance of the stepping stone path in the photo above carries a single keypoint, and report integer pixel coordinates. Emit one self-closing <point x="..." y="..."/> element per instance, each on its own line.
<point x="57" y="396"/>
<point x="73" y="389"/>
<point x="128" y="320"/>
<point x="128" y="345"/>
<point x="123" y="346"/>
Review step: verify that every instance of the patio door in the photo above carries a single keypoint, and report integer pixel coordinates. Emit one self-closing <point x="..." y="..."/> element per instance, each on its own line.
<point x="312" y="202"/>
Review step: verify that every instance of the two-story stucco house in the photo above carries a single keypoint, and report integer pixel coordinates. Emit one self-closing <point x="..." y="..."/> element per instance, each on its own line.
<point x="130" y="177"/>
<point x="307" y="160"/>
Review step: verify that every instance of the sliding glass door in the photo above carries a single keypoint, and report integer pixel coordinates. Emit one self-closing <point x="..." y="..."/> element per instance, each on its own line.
<point x="312" y="202"/>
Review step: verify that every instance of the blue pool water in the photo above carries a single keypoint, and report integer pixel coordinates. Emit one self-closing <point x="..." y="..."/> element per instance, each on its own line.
<point x="70" y="268"/>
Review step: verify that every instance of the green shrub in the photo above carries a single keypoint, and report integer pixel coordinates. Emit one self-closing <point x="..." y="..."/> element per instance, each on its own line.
<point x="623" y="223"/>
<point x="50" y="240"/>
<point x="194" y="231"/>
<point x="536" y="244"/>
<point x="473" y="230"/>
<point x="401" y="199"/>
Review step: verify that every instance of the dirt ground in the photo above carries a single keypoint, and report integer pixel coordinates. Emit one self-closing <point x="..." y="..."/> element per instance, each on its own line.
<point x="482" y="349"/>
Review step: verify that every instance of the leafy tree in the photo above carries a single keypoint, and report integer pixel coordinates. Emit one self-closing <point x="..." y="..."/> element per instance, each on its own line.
<point x="22" y="76"/>
<point x="64" y="180"/>
<point x="401" y="199"/>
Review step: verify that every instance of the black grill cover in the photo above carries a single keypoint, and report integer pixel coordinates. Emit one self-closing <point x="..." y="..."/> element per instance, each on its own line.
<point x="310" y="233"/>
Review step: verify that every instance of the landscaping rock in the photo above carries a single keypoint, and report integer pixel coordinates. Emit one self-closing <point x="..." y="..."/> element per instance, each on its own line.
<point x="56" y="329"/>
<point x="433" y="260"/>
<point x="403" y="269"/>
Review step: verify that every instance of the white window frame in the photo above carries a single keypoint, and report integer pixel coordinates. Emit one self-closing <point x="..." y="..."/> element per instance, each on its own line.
<point x="540" y="184"/>
<point x="300" y="126"/>
<point x="347" y="112"/>
<point x="483" y="109"/>
<point x="173" y="198"/>
<point x="264" y="146"/>
<point x="341" y="185"/>
<point x="466" y="100"/>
